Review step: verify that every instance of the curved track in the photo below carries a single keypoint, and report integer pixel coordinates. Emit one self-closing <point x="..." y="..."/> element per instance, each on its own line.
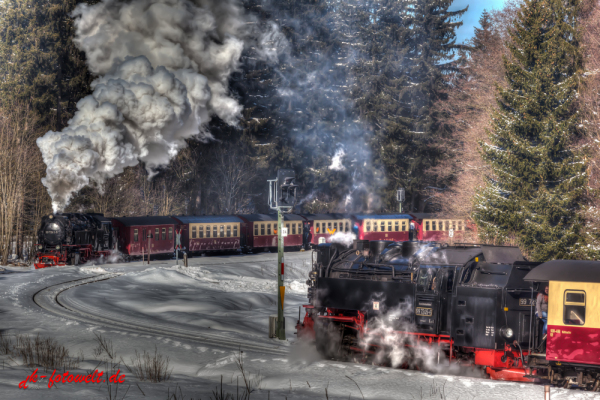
<point x="51" y="299"/>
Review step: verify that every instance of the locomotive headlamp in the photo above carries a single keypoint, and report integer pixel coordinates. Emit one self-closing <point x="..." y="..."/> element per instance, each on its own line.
<point x="50" y="216"/>
<point x="58" y="247"/>
<point x="40" y="247"/>
<point x="506" y="332"/>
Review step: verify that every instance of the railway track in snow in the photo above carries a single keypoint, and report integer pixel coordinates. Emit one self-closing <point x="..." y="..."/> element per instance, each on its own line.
<point x="54" y="300"/>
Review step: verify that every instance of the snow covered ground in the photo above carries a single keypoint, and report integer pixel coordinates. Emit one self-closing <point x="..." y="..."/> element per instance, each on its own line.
<point x="226" y="299"/>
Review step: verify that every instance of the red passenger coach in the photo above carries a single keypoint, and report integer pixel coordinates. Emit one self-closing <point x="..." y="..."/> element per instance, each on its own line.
<point x="319" y="227"/>
<point x="395" y="227"/>
<point x="208" y="233"/>
<point x="434" y="229"/>
<point x="133" y="235"/>
<point x="259" y="231"/>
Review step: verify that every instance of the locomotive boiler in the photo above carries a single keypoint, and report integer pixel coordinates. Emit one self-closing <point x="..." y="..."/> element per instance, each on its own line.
<point x="73" y="238"/>
<point x="467" y="304"/>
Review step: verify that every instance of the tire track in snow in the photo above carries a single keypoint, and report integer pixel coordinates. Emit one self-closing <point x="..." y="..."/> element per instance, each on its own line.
<point x="54" y="300"/>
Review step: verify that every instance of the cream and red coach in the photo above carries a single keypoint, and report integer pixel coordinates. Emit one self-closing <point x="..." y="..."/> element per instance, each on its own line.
<point x="134" y="232"/>
<point x="320" y="227"/>
<point x="572" y="344"/>
<point x="259" y="231"/>
<point x="394" y="227"/>
<point x="208" y="233"/>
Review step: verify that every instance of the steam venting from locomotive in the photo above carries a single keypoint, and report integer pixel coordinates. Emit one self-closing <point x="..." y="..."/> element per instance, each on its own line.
<point x="163" y="67"/>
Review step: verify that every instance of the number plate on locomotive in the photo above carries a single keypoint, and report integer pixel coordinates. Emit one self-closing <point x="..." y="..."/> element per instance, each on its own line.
<point x="525" y="301"/>
<point x="424" y="312"/>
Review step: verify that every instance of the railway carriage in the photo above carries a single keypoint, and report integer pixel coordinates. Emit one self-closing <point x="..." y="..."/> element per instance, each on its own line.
<point x="394" y="227"/>
<point x="572" y="343"/>
<point x="259" y="231"/>
<point x="146" y="235"/>
<point x="210" y="233"/>
<point x="430" y="228"/>
<point x="320" y="227"/>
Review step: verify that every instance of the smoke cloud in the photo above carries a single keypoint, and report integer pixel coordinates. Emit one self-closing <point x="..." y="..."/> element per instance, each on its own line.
<point x="345" y="238"/>
<point x="163" y="67"/>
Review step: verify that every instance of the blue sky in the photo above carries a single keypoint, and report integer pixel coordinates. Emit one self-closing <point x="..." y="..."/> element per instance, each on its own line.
<point x="471" y="17"/>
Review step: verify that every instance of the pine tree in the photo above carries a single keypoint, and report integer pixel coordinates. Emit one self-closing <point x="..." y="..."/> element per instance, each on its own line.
<point x="539" y="177"/>
<point x="399" y="83"/>
<point x="483" y="35"/>
<point x="40" y="64"/>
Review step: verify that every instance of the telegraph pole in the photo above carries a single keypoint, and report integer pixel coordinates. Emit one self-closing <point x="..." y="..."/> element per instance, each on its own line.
<point x="282" y="197"/>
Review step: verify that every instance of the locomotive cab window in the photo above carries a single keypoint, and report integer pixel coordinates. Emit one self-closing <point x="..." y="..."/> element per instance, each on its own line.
<point x="135" y="235"/>
<point x="574" y="307"/>
<point x="193" y="232"/>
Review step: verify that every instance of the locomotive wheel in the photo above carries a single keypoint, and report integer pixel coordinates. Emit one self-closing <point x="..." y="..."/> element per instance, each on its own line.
<point x="329" y="338"/>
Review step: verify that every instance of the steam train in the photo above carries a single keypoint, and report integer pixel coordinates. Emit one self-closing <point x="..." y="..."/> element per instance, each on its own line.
<point x="158" y="235"/>
<point x="423" y="305"/>
<point x="73" y="238"/>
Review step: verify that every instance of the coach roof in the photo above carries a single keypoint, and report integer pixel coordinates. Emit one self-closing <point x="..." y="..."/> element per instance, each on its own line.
<point x="566" y="271"/>
<point x="207" y="219"/>
<point x="383" y="216"/>
<point x="154" y="220"/>
<point x="270" y="217"/>
<point x="323" y="217"/>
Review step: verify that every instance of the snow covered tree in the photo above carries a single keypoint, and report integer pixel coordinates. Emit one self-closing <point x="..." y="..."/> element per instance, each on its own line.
<point x="539" y="176"/>
<point x="40" y="64"/>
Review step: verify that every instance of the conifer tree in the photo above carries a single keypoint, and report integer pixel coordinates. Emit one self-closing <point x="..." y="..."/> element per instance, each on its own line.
<point x="539" y="178"/>
<point x="39" y="63"/>
<point x="399" y="82"/>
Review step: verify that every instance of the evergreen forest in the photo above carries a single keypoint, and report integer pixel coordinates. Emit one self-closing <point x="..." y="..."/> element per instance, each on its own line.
<point x="360" y="98"/>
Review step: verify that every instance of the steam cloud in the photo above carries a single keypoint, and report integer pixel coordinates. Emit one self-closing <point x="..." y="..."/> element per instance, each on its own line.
<point x="345" y="238"/>
<point x="163" y="67"/>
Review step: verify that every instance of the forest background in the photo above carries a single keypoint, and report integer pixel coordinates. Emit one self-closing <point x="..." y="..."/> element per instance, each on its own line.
<point x="359" y="102"/>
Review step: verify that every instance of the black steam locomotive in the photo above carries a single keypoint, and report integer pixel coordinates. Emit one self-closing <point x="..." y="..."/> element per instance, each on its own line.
<point x="72" y="238"/>
<point x="469" y="303"/>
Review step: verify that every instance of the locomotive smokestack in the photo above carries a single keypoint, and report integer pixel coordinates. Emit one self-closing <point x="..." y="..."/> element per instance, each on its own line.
<point x="163" y="68"/>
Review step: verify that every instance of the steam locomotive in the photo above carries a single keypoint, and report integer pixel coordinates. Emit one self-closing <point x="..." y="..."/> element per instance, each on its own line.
<point x="413" y="303"/>
<point x="73" y="238"/>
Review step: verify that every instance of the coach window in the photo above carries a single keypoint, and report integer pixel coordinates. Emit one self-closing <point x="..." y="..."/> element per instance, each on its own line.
<point x="215" y="231"/>
<point x="347" y="227"/>
<point x="293" y="229"/>
<point x="368" y="229"/>
<point x="135" y="235"/>
<point x="335" y="227"/>
<point x="164" y="233"/>
<point x="228" y="230"/>
<point x="288" y="229"/>
<point x="329" y="227"/>
<point x="268" y="229"/>
<point x="221" y="231"/>
<point x="426" y="225"/>
<point x="375" y="226"/>
<point x="460" y="225"/>
<point x="207" y="231"/>
<point x="403" y="226"/>
<point x="201" y="232"/>
<point x="262" y="229"/>
<point x="193" y="232"/>
<point x="170" y="233"/>
<point x="317" y="226"/>
<point x="382" y="226"/>
<point x="453" y="225"/>
<point x="235" y="233"/>
<point x="255" y="229"/>
<point x="156" y="234"/>
<point x="574" y="307"/>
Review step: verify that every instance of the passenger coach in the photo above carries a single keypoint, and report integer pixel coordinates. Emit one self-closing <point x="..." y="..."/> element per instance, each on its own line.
<point x="209" y="233"/>
<point x="259" y="231"/>
<point x="142" y="235"/>
<point x="394" y="227"/>
<point x="320" y="227"/>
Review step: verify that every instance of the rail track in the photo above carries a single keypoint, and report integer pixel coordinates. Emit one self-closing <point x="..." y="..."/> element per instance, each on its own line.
<point x="53" y="299"/>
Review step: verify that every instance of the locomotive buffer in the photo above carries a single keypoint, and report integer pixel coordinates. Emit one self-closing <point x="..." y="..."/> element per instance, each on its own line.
<point x="282" y="197"/>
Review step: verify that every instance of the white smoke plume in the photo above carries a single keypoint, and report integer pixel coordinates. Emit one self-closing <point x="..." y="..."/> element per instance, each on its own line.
<point x="337" y="162"/>
<point x="345" y="238"/>
<point x="163" y="67"/>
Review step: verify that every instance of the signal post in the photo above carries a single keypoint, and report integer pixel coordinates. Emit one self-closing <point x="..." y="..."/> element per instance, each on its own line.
<point x="282" y="197"/>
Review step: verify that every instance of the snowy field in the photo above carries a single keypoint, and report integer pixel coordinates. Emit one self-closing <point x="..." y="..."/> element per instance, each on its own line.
<point x="206" y="314"/>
